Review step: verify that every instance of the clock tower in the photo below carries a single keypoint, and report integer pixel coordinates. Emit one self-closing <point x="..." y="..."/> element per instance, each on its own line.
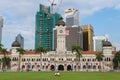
<point x="61" y="37"/>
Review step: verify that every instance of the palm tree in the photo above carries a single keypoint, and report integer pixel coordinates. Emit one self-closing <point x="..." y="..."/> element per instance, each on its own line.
<point x="4" y="59"/>
<point x="99" y="57"/>
<point x="116" y="60"/>
<point x="40" y="50"/>
<point x="1" y="47"/>
<point x="115" y="63"/>
<point x="8" y="62"/>
<point x="21" y="52"/>
<point x="77" y="50"/>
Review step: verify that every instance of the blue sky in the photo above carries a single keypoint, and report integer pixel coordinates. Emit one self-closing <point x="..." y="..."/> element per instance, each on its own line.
<point x="105" y="21"/>
<point x="19" y="17"/>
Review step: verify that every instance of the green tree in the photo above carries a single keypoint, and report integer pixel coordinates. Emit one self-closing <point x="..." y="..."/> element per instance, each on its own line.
<point x="21" y="52"/>
<point x="6" y="62"/>
<point x="1" y="47"/>
<point x="77" y="50"/>
<point x="99" y="57"/>
<point x="116" y="60"/>
<point x="4" y="59"/>
<point x="41" y="50"/>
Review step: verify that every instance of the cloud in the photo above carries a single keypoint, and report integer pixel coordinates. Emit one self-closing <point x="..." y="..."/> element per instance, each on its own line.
<point x="19" y="15"/>
<point x="88" y="7"/>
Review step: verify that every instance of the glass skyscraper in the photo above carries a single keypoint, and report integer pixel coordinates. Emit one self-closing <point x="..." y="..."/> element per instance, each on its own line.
<point x="20" y="39"/>
<point x="1" y="25"/>
<point x="72" y="17"/>
<point x="98" y="42"/>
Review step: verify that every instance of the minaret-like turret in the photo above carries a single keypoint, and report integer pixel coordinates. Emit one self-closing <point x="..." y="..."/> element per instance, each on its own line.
<point x="107" y="48"/>
<point x="15" y="45"/>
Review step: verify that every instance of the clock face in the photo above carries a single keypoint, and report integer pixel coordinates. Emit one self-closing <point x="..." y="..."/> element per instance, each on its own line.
<point x="61" y="31"/>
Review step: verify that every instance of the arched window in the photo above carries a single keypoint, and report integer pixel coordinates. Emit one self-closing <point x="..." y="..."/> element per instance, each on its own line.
<point x="109" y="59"/>
<point x="83" y="60"/>
<point x="15" y="59"/>
<point x="24" y="59"/>
<point x="12" y="59"/>
<point x="88" y="60"/>
<point x="37" y="60"/>
<point x="32" y="60"/>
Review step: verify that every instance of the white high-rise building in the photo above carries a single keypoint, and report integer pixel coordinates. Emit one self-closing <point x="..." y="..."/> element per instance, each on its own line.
<point x="71" y="17"/>
<point x="20" y="39"/>
<point x="98" y="42"/>
<point x="1" y="25"/>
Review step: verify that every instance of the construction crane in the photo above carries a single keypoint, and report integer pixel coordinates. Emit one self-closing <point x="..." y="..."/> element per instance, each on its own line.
<point x="52" y="3"/>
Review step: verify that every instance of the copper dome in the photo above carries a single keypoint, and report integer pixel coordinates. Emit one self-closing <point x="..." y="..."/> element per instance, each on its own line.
<point x="106" y="43"/>
<point x="15" y="44"/>
<point x="61" y="22"/>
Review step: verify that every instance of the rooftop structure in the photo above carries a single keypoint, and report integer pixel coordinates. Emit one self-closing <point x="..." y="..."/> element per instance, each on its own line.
<point x="71" y="17"/>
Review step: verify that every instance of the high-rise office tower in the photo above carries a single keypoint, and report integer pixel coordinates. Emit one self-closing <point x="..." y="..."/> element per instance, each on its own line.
<point x="71" y="17"/>
<point x="98" y="42"/>
<point x="87" y="37"/>
<point x="45" y="22"/>
<point x="74" y="37"/>
<point x="1" y="25"/>
<point x="20" y="39"/>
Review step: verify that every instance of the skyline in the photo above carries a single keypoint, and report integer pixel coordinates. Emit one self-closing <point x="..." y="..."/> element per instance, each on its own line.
<point x="103" y="15"/>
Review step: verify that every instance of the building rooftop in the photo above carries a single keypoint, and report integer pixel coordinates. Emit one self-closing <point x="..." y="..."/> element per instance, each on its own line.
<point x="61" y="22"/>
<point x="106" y="43"/>
<point x="15" y="44"/>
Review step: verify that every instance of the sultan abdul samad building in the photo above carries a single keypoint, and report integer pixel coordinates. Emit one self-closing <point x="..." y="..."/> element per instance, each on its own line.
<point x="61" y="58"/>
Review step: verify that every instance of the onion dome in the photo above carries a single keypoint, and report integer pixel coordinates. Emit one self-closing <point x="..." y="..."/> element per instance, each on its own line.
<point x="61" y="22"/>
<point x="106" y="43"/>
<point x="15" y="44"/>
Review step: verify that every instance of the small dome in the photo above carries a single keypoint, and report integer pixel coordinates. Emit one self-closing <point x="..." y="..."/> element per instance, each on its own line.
<point x="106" y="43"/>
<point x="15" y="44"/>
<point x="61" y="22"/>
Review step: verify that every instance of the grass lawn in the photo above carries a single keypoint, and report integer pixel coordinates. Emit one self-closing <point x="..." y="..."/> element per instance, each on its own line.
<point x="64" y="76"/>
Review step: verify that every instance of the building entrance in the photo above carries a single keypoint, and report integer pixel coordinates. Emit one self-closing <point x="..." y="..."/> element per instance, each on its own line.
<point x="69" y="68"/>
<point x="61" y="67"/>
<point x="52" y="67"/>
